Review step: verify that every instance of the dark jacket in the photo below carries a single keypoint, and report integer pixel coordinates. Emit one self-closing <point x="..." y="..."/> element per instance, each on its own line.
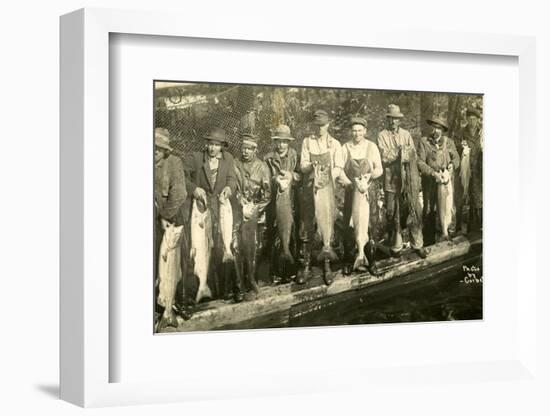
<point x="197" y="173"/>
<point x="170" y="189"/>
<point x="437" y="156"/>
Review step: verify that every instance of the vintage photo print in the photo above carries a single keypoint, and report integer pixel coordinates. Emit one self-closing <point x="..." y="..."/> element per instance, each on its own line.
<point x="290" y="206"/>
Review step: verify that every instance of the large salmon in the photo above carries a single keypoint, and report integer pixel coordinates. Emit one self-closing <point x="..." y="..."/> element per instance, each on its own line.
<point x="325" y="208"/>
<point x="201" y="243"/>
<point x="226" y="226"/>
<point x="169" y="271"/>
<point x="249" y="229"/>
<point x="359" y="220"/>
<point x="283" y="213"/>
<point x="465" y="172"/>
<point x="445" y="202"/>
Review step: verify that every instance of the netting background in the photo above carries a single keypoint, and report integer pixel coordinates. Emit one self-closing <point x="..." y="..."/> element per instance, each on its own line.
<point x="189" y="110"/>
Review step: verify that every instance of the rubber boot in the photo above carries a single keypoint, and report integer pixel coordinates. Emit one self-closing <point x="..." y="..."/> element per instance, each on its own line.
<point x="327" y="272"/>
<point x="226" y="281"/>
<point x="303" y="275"/>
<point x="370" y="251"/>
<point x="233" y="282"/>
<point x="347" y="268"/>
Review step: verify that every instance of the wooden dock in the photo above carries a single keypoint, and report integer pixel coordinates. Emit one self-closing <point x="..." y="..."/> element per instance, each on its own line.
<point x="275" y="305"/>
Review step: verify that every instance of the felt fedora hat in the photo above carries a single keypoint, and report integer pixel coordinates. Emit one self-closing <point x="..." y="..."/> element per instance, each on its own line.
<point x="162" y="138"/>
<point x="281" y="132"/>
<point x="438" y="121"/>
<point x="216" y="134"/>
<point x="472" y="111"/>
<point x="394" y="111"/>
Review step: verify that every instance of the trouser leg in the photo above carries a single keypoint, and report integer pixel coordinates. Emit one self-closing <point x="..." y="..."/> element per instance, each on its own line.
<point x="394" y="222"/>
<point x="348" y="234"/>
<point x="429" y="195"/>
<point x="307" y="232"/>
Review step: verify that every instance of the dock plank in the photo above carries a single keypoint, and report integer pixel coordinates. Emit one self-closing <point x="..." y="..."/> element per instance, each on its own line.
<point x="274" y="303"/>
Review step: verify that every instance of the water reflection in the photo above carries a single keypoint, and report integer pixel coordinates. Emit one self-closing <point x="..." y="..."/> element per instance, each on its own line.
<point x="447" y="296"/>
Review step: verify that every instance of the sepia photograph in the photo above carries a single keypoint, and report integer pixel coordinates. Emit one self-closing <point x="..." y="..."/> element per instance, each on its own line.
<point x="292" y="206"/>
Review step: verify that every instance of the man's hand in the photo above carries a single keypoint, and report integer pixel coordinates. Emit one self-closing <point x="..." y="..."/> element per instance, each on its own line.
<point x="451" y="168"/>
<point x="438" y="177"/>
<point x="226" y="192"/>
<point x="344" y="180"/>
<point x="296" y="176"/>
<point x="200" y="194"/>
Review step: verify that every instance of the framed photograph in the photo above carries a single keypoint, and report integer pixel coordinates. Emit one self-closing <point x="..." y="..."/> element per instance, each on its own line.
<point x="278" y="209"/>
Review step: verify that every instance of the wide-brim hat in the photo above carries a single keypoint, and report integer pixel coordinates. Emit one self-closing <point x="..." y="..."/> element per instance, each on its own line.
<point x="162" y="139"/>
<point x="320" y="118"/>
<point x="358" y="120"/>
<point x="438" y="121"/>
<point x="216" y="134"/>
<point x="394" y="111"/>
<point x="281" y="132"/>
<point x="472" y="111"/>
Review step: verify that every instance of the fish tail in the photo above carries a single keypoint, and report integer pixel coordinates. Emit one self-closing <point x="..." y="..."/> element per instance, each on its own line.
<point x="203" y="292"/>
<point x="359" y="261"/>
<point x="327" y="254"/>
<point x="227" y="256"/>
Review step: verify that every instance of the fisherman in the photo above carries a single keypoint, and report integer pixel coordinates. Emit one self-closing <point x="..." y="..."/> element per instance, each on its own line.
<point x="437" y="160"/>
<point x="253" y="195"/>
<point x="469" y="178"/>
<point x="170" y="195"/>
<point x="361" y="161"/>
<point x="210" y="177"/>
<point x="321" y="162"/>
<point x="284" y="167"/>
<point x="401" y="184"/>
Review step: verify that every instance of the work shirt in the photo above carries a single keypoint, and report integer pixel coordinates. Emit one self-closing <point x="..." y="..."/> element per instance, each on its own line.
<point x="288" y="162"/>
<point x="253" y="182"/>
<point x="474" y="140"/>
<point x="389" y="143"/>
<point x="436" y="155"/>
<point x="365" y="149"/>
<point x="314" y="145"/>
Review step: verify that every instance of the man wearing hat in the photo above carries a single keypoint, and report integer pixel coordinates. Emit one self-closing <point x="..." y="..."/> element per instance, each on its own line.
<point x="469" y="178"/>
<point x="170" y="195"/>
<point x="323" y="151"/>
<point x="437" y="160"/>
<point x="401" y="183"/>
<point x="210" y="175"/>
<point x="253" y="195"/>
<point x="284" y="169"/>
<point x="361" y="158"/>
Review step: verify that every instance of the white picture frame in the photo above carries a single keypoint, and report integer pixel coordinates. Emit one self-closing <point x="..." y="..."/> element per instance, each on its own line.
<point x="85" y="165"/>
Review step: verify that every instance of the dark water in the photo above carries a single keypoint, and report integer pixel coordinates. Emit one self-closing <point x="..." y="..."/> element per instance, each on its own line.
<point x="449" y="292"/>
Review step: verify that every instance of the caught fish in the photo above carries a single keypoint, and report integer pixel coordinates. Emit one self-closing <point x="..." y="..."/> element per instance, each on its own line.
<point x="325" y="207"/>
<point x="465" y="171"/>
<point x="226" y="226"/>
<point x="249" y="230"/>
<point x="359" y="220"/>
<point x="201" y="243"/>
<point x="169" y="271"/>
<point x="283" y="213"/>
<point x="445" y="202"/>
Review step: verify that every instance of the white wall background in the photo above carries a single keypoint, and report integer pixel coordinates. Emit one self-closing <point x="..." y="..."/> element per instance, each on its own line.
<point x="29" y="206"/>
